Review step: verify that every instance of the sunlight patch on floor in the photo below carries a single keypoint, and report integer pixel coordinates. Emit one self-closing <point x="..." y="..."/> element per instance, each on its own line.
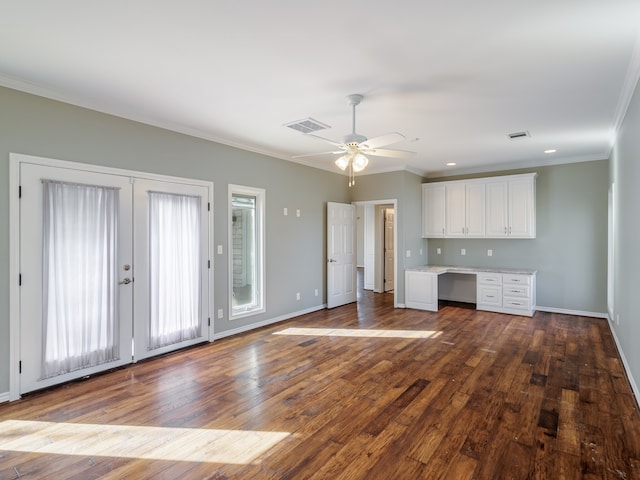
<point x="356" y="332"/>
<point x="158" y="443"/>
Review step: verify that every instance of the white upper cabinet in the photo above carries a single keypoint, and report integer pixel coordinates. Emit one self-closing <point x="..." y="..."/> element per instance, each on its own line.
<point x="433" y="210"/>
<point x="511" y="207"/>
<point x="465" y="207"/>
<point x="522" y="207"/>
<point x="455" y="209"/>
<point x="497" y="198"/>
<point x="475" y="209"/>
<point x="493" y="207"/>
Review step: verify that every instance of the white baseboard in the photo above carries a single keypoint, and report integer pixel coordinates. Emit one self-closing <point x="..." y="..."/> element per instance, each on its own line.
<point x="4" y="397"/>
<point x="264" y="323"/>
<point x="634" y="386"/>
<point x="579" y="313"/>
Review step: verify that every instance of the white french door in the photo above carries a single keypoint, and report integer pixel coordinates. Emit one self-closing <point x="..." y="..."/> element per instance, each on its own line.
<point x="33" y="314"/>
<point x="341" y="246"/>
<point x="77" y="303"/>
<point x="171" y="266"/>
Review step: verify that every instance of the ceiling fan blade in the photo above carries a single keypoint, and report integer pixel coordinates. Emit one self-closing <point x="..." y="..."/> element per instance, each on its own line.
<point x="337" y="144"/>
<point x="388" y="152"/>
<point x="318" y="153"/>
<point x="383" y="140"/>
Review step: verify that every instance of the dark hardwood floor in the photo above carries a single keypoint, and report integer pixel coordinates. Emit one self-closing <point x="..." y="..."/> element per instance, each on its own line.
<point x="358" y="392"/>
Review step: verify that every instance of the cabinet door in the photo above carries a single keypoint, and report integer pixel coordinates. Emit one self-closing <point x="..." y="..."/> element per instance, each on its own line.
<point x="421" y="290"/>
<point x="475" y="210"/>
<point x="455" y="209"/>
<point x="496" y="209"/>
<point x="522" y="208"/>
<point x="433" y="210"/>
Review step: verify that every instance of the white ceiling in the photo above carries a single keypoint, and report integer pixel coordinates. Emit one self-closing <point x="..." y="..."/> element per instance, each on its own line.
<point x="459" y="75"/>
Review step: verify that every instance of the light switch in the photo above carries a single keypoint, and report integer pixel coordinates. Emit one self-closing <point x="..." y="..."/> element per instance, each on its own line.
<point x="286" y="211"/>
<point x="489" y="253"/>
<point x="219" y="249"/>
<point x="408" y="253"/>
<point x="438" y="250"/>
<point x="298" y="212"/>
<point x="463" y="251"/>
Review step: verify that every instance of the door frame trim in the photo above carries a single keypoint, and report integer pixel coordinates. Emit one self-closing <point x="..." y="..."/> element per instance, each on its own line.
<point x="15" y="160"/>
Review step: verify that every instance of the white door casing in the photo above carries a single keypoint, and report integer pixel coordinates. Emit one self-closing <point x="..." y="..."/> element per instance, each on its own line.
<point x="341" y="244"/>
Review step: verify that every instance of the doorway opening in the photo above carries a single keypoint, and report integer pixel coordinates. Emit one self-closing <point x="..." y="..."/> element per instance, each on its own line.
<point x="376" y="253"/>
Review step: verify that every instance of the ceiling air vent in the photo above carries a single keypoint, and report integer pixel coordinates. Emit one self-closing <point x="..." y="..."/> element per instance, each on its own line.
<point x="308" y="125"/>
<point x="516" y="135"/>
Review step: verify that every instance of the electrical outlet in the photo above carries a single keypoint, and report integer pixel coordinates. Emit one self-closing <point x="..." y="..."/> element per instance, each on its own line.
<point x="298" y="212"/>
<point x="220" y="313"/>
<point x="408" y="253"/>
<point x="463" y="251"/>
<point x="617" y="319"/>
<point x="219" y="249"/>
<point x="286" y="211"/>
<point x="489" y="253"/>
<point x="420" y="251"/>
<point x="316" y="292"/>
<point x="298" y="296"/>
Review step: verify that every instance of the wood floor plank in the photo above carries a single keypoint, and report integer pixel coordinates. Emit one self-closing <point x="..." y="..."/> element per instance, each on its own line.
<point x="485" y="396"/>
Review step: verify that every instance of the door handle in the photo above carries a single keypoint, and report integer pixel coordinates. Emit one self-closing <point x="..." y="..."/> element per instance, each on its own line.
<point x="331" y="260"/>
<point x="125" y="281"/>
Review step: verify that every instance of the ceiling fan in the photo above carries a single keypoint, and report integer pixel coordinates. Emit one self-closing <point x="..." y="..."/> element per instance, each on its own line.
<point x="354" y="146"/>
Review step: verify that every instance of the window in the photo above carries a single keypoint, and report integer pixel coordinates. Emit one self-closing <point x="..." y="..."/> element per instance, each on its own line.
<point x="246" y="250"/>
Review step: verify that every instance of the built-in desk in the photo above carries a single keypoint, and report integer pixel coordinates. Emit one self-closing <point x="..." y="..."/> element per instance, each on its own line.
<point x="504" y="290"/>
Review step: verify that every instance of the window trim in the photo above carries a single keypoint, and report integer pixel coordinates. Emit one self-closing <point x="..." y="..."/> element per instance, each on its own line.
<point x="260" y="195"/>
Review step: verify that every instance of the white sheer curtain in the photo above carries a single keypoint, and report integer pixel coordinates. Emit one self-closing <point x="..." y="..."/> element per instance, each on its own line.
<point x="80" y="305"/>
<point x="174" y="268"/>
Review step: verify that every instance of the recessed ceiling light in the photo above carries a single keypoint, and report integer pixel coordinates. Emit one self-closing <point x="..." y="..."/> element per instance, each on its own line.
<point x="553" y="150"/>
<point x="451" y="164"/>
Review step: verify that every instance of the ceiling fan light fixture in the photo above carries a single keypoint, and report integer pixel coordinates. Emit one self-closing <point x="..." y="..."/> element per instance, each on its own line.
<point x="360" y="162"/>
<point x="342" y="162"/>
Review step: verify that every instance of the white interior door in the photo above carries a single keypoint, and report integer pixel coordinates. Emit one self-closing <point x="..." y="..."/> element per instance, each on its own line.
<point x="78" y="287"/>
<point x="171" y="266"/>
<point x="341" y="245"/>
<point x="389" y="250"/>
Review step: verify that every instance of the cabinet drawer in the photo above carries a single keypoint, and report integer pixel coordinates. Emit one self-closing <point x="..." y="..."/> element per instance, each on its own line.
<point x="489" y="278"/>
<point x="523" y="291"/>
<point x="516" y="303"/>
<point x="489" y="295"/>
<point x="516" y="279"/>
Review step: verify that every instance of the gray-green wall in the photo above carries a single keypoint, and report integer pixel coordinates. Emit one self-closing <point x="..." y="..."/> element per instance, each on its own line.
<point x="625" y="176"/>
<point x="570" y="248"/>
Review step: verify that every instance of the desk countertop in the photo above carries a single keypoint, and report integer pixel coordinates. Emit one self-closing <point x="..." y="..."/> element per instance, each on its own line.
<point x="440" y="269"/>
